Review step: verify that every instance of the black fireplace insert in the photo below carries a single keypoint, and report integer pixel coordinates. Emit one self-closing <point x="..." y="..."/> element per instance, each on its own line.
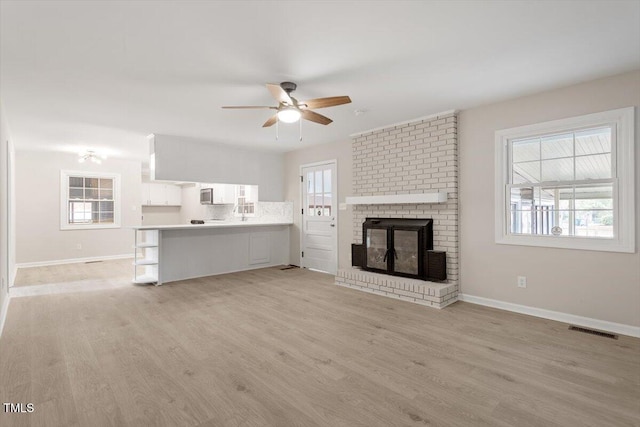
<point x="400" y="247"/>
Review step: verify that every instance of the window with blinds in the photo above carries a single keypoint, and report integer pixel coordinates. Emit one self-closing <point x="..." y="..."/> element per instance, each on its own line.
<point x="89" y="200"/>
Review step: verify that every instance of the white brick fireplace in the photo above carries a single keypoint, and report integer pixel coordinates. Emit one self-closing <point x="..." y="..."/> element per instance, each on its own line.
<point x="416" y="157"/>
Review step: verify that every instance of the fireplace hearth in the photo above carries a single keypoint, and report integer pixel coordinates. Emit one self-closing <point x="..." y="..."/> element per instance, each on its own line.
<point x="399" y="247"/>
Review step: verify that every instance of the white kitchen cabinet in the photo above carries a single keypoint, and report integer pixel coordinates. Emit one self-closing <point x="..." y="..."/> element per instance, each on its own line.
<point x="174" y="195"/>
<point x="177" y="252"/>
<point x="157" y="194"/>
<point x="144" y="196"/>
<point x="154" y="194"/>
<point x="224" y="194"/>
<point x="259" y="248"/>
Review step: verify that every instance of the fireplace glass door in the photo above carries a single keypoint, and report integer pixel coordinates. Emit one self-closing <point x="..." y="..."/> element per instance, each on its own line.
<point x="376" y="240"/>
<point x="406" y="252"/>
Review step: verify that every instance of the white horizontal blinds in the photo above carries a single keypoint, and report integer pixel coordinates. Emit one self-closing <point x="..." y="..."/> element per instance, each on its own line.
<point x="91" y="200"/>
<point x="563" y="184"/>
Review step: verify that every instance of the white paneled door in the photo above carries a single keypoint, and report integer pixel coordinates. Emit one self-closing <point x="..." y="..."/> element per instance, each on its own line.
<point x="319" y="237"/>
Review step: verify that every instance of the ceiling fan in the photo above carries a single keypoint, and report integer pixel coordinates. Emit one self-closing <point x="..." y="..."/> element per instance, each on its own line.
<point x="290" y="110"/>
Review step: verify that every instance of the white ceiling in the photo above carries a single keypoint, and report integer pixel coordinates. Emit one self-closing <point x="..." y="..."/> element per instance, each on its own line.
<point x="104" y="75"/>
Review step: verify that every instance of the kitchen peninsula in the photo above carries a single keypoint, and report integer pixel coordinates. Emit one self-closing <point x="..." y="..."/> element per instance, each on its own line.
<point x="167" y="253"/>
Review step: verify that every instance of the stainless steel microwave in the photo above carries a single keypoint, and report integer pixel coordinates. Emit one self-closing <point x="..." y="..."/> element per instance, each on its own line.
<point x="206" y="196"/>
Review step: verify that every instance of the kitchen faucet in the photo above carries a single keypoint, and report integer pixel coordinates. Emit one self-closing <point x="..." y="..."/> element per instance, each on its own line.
<point x="236" y="209"/>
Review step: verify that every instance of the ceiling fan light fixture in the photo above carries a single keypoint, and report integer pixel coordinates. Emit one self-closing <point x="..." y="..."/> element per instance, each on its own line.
<point x="289" y="115"/>
<point x="90" y="155"/>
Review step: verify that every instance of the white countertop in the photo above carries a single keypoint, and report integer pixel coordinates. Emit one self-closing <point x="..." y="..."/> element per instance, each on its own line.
<point x="213" y="224"/>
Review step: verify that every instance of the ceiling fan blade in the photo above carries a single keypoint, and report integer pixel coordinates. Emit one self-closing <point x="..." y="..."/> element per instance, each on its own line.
<point x="246" y="107"/>
<point x="315" y="117"/>
<point x="326" y="102"/>
<point x="279" y="94"/>
<point x="272" y="120"/>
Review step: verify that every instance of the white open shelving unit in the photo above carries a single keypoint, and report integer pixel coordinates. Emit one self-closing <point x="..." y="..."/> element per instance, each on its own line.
<point x="146" y="256"/>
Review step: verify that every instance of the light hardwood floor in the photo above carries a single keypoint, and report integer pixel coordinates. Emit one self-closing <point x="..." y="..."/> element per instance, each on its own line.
<point x="110" y="270"/>
<point x="289" y="348"/>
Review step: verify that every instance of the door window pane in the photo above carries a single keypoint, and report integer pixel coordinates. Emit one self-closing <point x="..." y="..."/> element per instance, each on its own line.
<point x="310" y="204"/>
<point x="318" y="182"/>
<point x="310" y="182"/>
<point x="327" y="204"/>
<point x="327" y="180"/>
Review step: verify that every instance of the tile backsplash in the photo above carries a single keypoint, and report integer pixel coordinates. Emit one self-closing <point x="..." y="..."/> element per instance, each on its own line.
<point x="264" y="212"/>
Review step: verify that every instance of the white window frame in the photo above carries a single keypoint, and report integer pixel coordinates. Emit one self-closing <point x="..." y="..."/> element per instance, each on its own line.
<point x="64" y="200"/>
<point x="622" y="122"/>
<point x="247" y="189"/>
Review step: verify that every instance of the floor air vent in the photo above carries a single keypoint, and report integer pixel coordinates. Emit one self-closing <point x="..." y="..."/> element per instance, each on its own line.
<point x="91" y="262"/>
<point x="289" y="267"/>
<point x="593" y="332"/>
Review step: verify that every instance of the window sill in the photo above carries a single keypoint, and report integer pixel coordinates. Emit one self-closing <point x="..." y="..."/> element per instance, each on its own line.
<point x="578" y="243"/>
<point x="89" y="227"/>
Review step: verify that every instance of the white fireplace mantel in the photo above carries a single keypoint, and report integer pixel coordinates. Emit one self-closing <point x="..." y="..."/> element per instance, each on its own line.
<point x="396" y="199"/>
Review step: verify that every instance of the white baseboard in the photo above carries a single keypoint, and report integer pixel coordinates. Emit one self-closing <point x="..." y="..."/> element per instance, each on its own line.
<point x="3" y="312"/>
<point x="588" y="322"/>
<point x="72" y="261"/>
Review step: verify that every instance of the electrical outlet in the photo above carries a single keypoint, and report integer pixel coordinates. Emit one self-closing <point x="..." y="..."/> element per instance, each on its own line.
<point x="522" y="281"/>
<point x="79" y="246"/>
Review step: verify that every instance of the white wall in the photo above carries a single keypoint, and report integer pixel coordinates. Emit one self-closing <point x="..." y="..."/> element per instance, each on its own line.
<point x="39" y="238"/>
<point x="598" y="285"/>
<point x="194" y="160"/>
<point x="191" y="207"/>
<point x="341" y="151"/>
<point x="161" y="215"/>
<point x="6" y="244"/>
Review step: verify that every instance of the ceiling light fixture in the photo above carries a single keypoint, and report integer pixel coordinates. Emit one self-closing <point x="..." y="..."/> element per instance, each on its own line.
<point x="90" y="155"/>
<point x="289" y="115"/>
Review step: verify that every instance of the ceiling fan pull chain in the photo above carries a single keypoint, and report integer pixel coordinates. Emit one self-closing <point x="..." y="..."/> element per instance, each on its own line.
<point x="300" y="130"/>
<point x="277" y="121"/>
